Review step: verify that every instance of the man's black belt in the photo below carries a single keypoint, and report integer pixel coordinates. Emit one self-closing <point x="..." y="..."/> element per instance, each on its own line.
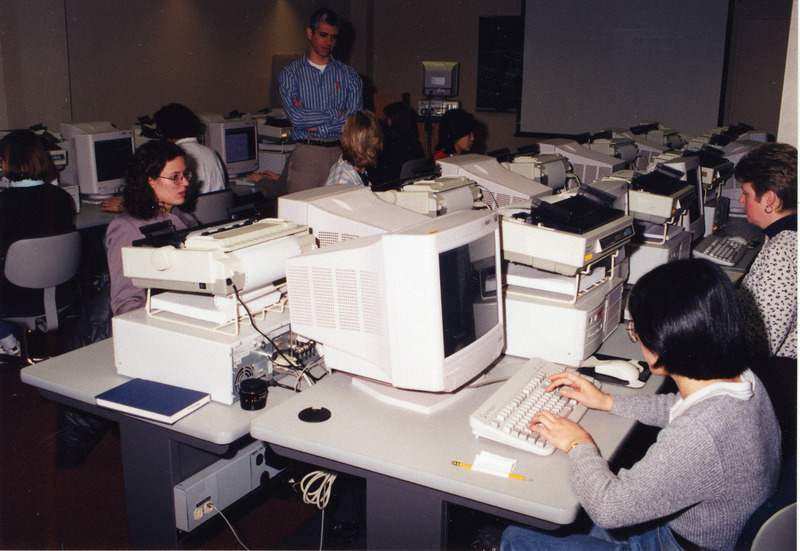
<point x="321" y="143"/>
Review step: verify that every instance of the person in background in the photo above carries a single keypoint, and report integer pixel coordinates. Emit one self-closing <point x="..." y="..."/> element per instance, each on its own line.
<point x="717" y="455"/>
<point x="155" y="187"/>
<point x="318" y="93"/>
<point x="456" y="134"/>
<point x="768" y="292"/>
<point x="361" y="144"/>
<point x="768" y="176"/>
<point x="30" y="207"/>
<point x="400" y="142"/>
<point x="178" y="124"/>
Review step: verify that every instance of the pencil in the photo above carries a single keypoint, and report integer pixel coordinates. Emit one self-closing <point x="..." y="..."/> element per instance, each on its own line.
<point x="510" y="475"/>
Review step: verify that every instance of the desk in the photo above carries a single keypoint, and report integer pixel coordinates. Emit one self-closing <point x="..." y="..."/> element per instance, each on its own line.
<point x="155" y="456"/>
<point x="91" y="216"/>
<point x="405" y="457"/>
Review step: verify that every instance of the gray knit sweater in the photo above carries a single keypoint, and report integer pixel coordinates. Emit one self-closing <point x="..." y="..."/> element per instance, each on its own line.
<point x="709" y="469"/>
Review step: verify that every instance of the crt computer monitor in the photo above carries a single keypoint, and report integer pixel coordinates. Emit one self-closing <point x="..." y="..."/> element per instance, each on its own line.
<point x="236" y="142"/>
<point x="340" y="213"/>
<point x="439" y="78"/>
<point x="501" y="186"/>
<point x="417" y="308"/>
<point x="98" y="155"/>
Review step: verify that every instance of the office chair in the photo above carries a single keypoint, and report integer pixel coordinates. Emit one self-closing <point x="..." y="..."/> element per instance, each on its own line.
<point x="42" y="263"/>
<point x="779" y="532"/>
<point x="775" y="520"/>
<point x="213" y="207"/>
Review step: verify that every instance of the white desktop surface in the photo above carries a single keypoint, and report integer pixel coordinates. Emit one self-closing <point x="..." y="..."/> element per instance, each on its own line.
<point x="419" y="448"/>
<point x="86" y="372"/>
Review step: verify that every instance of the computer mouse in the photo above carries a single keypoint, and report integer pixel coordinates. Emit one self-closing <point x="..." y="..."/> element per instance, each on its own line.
<point x="621" y="369"/>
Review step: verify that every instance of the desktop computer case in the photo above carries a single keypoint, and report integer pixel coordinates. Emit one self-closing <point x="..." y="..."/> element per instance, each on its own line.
<point x="561" y="332"/>
<point x="176" y="350"/>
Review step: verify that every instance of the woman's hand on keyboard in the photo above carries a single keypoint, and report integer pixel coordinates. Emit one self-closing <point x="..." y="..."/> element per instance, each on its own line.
<point x="558" y="430"/>
<point x="580" y="389"/>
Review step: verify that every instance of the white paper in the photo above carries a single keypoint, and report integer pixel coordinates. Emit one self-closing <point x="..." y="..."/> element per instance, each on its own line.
<point x="496" y="465"/>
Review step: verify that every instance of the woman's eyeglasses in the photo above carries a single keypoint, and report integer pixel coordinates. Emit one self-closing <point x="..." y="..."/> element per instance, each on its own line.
<point x="631" y="332"/>
<point x="177" y="177"/>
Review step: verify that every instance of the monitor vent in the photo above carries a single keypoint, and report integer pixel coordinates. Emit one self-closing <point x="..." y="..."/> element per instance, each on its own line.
<point x="327" y="238"/>
<point x="371" y="303"/>
<point x="502" y="199"/>
<point x="347" y="299"/>
<point x="300" y="298"/>
<point x="324" y="296"/>
<point x="344" y="298"/>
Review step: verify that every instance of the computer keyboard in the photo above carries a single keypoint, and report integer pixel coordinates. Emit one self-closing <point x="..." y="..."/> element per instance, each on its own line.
<point x="505" y="416"/>
<point x="726" y="251"/>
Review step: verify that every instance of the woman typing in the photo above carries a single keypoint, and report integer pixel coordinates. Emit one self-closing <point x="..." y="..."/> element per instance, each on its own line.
<point x="717" y="455"/>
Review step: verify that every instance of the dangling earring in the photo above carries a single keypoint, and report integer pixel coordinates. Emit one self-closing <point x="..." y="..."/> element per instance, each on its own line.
<point x="768" y="209"/>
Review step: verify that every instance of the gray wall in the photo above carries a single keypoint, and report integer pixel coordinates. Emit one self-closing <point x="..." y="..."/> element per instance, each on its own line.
<point x="116" y="60"/>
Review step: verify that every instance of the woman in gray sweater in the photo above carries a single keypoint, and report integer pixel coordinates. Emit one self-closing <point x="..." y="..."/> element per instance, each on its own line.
<point x="717" y="456"/>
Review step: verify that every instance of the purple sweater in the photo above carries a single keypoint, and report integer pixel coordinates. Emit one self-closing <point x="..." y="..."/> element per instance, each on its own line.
<point x="122" y="231"/>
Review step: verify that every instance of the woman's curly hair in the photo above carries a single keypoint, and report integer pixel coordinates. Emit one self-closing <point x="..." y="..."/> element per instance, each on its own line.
<point x="148" y="161"/>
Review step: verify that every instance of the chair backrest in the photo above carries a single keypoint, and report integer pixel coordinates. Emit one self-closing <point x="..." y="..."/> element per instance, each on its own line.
<point x="213" y="207"/>
<point x="416" y="167"/>
<point x="779" y="532"/>
<point x="43" y="262"/>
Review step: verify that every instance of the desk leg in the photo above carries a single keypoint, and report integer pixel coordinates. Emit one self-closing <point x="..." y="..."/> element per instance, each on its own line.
<point x="152" y="464"/>
<point x="149" y="462"/>
<point x="401" y="515"/>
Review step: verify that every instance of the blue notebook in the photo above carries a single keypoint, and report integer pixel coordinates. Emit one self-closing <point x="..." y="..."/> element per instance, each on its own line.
<point x="152" y="400"/>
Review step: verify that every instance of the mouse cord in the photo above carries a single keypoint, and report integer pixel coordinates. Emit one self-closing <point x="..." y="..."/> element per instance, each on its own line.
<point x="318" y="495"/>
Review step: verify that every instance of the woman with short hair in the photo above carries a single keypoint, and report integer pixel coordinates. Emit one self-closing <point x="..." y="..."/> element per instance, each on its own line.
<point x="717" y="455"/>
<point x="31" y="207"/>
<point x="362" y="140"/>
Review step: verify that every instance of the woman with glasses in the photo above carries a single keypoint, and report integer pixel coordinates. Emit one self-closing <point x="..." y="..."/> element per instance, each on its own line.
<point x="717" y="455"/>
<point x="155" y="187"/>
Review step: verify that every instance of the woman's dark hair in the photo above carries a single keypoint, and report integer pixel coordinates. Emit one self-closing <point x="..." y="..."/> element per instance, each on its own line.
<point x="26" y="157"/>
<point x="176" y="121"/>
<point x="455" y="124"/>
<point x="771" y="167"/>
<point x="687" y="313"/>
<point x="148" y="161"/>
<point x="403" y="118"/>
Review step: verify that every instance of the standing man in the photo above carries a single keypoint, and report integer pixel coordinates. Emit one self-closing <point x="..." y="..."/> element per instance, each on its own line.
<point x="318" y="93"/>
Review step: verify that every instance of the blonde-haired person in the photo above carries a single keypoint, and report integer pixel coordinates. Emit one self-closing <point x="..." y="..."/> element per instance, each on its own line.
<point x="362" y="141"/>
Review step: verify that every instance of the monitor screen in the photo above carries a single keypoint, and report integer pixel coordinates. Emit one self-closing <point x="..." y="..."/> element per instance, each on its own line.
<point x="235" y="140"/>
<point x="417" y="308"/>
<point x="240" y="145"/>
<point x="112" y="157"/>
